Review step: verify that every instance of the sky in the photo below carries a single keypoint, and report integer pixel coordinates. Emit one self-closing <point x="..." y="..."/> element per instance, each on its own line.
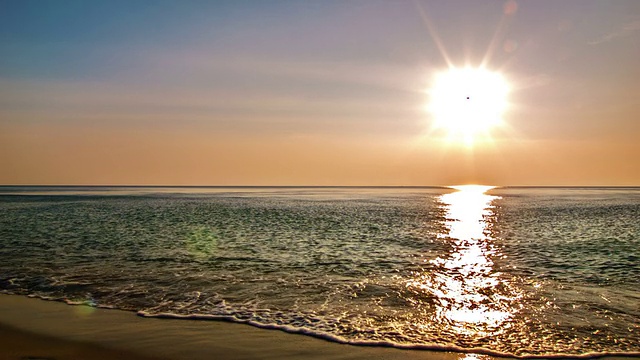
<point x="313" y="92"/>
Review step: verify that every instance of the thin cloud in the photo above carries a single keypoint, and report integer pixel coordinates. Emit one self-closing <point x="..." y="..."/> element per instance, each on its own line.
<point x="623" y="31"/>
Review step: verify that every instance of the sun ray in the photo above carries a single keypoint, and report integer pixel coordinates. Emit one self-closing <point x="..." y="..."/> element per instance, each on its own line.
<point x="499" y="33"/>
<point x="433" y="34"/>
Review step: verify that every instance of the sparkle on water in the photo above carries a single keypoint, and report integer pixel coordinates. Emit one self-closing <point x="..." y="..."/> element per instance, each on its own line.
<point x="460" y="289"/>
<point x="500" y="271"/>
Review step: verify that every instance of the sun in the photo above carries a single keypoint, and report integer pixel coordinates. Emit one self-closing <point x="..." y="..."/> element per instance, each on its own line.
<point x="467" y="102"/>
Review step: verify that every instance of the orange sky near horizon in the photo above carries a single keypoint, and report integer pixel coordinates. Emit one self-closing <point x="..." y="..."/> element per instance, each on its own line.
<point x="107" y="156"/>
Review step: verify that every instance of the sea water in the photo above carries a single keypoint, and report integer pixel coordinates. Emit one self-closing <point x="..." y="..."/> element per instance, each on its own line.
<point x="506" y="271"/>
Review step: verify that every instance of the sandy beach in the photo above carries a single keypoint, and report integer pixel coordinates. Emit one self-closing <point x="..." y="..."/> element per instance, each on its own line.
<point x="38" y="329"/>
<point x="19" y="344"/>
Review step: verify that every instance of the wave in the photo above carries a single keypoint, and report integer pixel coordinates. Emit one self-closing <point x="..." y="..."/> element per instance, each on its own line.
<point x="332" y="337"/>
<point x="404" y="346"/>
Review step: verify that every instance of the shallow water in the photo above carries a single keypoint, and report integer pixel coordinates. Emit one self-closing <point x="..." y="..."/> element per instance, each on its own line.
<point x="535" y="271"/>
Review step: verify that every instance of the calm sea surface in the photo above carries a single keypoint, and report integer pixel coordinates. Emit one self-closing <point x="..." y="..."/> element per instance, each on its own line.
<point x="520" y="271"/>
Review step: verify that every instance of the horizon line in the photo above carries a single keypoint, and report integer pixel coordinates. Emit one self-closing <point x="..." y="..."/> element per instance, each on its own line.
<point x="311" y="186"/>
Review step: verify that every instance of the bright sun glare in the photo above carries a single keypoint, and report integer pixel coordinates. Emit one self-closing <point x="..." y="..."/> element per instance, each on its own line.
<point x="467" y="102"/>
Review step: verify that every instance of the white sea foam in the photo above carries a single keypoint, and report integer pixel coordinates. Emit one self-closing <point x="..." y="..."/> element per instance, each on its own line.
<point x="342" y="340"/>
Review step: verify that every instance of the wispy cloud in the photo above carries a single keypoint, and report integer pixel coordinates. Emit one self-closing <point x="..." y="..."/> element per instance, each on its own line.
<point x="625" y="30"/>
<point x="253" y="109"/>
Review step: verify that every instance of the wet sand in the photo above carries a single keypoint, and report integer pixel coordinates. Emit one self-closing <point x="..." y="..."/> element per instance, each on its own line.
<point x="37" y="329"/>
<point x="18" y="344"/>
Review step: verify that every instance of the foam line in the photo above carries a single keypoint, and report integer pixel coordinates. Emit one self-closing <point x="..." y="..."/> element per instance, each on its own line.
<point x="341" y="340"/>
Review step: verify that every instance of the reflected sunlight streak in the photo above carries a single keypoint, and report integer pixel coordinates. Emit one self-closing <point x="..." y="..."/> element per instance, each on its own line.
<point x="466" y="212"/>
<point x="463" y="281"/>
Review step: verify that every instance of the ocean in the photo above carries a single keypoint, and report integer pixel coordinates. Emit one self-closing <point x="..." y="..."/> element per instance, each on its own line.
<point x="502" y="271"/>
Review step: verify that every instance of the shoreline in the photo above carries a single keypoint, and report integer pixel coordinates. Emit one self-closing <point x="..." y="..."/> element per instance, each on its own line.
<point x="43" y="329"/>
<point x="39" y="329"/>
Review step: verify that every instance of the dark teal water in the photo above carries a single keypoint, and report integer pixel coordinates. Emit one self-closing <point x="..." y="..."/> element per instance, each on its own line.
<point x="508" y="271"/>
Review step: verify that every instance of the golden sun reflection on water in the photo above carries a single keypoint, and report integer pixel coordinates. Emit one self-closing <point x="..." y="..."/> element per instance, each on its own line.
<point x="474" y="357"/>
<point x="466" y="209"/>
<point x="463" y="283"/>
